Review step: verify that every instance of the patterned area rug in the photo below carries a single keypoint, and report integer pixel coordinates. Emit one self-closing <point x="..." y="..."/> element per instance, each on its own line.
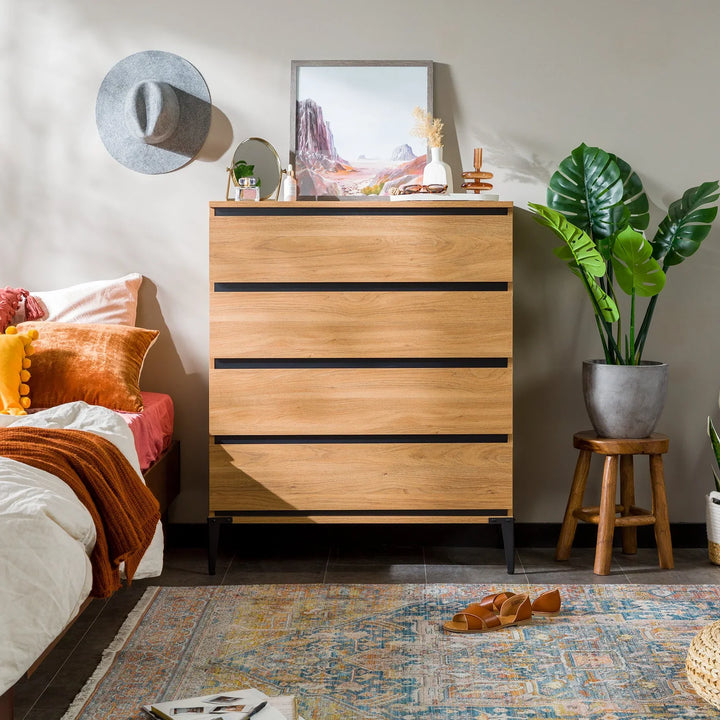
<point x="615" y="652"/>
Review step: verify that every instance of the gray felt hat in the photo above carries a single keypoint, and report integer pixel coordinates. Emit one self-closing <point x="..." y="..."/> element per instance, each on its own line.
<point x="153" y="112"/>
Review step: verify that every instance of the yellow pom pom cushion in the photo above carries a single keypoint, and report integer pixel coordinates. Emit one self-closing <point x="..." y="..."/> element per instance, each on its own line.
<point x="97" y="363"/>
<point x="15" y="349"/>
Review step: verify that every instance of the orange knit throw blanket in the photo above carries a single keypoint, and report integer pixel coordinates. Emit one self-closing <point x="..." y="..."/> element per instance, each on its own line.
<point x="124" y="511"/>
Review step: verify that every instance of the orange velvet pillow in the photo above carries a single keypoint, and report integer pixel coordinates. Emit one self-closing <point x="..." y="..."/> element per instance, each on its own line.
<point x="100" y="364"/>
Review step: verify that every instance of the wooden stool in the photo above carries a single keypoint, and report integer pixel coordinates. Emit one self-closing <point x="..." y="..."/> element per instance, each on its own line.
<point x="617" y="451"/>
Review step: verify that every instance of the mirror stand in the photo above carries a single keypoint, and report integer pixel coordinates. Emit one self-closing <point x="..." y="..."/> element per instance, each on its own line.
<point x="265" y="161"/>
<point x="231" y="176"/>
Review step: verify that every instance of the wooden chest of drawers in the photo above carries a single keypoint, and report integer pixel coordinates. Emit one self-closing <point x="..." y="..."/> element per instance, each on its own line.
<point x="361" y="363"/>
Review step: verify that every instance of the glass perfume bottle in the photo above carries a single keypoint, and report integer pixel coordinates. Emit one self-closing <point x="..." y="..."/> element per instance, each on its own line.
<point x="247" y="189"/>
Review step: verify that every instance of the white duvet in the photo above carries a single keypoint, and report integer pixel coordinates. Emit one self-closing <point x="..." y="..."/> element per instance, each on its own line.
<point x="46" y="536"/>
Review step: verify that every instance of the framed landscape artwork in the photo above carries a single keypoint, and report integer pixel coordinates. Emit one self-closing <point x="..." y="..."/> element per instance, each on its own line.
<point x="351" y="126"/>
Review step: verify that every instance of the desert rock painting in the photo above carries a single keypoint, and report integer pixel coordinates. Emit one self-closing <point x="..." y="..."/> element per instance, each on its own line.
<point x="353" y="129"/>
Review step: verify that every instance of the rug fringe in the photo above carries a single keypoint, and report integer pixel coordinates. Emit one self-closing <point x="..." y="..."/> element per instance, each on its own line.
<point x="108" y="656"/>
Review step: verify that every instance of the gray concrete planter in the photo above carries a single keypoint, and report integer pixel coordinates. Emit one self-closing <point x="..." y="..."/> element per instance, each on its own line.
<point x="624" y="401"/>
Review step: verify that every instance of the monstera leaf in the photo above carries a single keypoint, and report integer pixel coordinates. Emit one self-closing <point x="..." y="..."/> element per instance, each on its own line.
<point x="582" y="256"/>
<point x="686" y="224"/>
<point x="636" y="270"/>
<point x="634" y="197"/>
<point x="600" y="195"/>
<point x="588" y="190"/>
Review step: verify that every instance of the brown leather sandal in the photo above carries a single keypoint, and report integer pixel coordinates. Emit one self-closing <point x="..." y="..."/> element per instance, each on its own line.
<point x="516" y="610"/>
<point x="546" y="604"/>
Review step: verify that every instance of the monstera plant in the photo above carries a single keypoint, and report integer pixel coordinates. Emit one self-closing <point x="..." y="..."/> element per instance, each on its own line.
<point x="597" y="206"/>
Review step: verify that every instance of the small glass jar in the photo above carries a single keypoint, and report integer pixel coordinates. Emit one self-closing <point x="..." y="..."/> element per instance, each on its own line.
<point x="247" y="189"/>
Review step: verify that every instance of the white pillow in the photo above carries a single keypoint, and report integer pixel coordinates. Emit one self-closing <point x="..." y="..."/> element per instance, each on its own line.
<point x="100" y="301"/>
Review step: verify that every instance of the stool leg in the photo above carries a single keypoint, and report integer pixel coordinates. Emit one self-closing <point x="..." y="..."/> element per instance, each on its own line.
<point x="606" y="525"/>
<point x="627" y="498"/>
<point x="577" y="490"/>
<point x="660" y="511"/>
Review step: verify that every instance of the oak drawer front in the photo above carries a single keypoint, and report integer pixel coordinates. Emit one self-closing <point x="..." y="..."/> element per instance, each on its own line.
<point x="396" y="248"/>
<point x="302" y="401"/>
<point x="360" y="324"/>
<point x="362" y="476"/>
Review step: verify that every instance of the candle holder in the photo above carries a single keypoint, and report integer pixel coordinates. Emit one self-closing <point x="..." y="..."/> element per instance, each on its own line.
<point x="476" y="176"/>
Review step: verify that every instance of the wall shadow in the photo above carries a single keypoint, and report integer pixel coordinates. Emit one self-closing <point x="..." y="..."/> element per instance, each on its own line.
<point x="163" y="371"/>
<point x="219" y="139"/>
<point x="445" y="107"/>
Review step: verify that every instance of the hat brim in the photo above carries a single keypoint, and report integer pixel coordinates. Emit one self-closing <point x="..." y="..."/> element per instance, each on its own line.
<point x="195" y="112"/>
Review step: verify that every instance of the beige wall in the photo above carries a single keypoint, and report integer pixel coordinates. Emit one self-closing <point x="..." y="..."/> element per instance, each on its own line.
<point x="526" y="80"/>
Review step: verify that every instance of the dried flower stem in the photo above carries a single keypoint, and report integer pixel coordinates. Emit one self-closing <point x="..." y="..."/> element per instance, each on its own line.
<point x="428" y="127"/>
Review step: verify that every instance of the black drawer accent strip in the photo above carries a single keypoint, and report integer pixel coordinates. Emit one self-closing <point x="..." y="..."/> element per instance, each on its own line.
<point x="357" y="439"/>
<point x="295" y="363"/>
<point x="360" y="286"/>
<point x="434" y="512"/>
<point x="326" y="209"/>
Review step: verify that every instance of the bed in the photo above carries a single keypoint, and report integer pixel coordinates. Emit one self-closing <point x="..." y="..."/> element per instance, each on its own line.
<point x="87" y="410"/>
<point x="158" y="452"/>
<point x="47" y="536"/>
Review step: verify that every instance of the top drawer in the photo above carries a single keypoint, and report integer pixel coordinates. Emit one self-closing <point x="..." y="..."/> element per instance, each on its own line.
<point x="284" y="245"/>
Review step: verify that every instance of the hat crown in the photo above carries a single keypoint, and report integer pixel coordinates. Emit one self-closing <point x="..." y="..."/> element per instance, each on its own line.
<point x="152" y="111"/>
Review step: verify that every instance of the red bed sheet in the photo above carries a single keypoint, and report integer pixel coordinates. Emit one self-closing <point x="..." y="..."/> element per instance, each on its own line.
<point x="152" y="428"/>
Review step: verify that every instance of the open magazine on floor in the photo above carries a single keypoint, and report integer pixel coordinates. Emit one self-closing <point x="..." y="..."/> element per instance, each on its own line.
<point x="226" y="705"/>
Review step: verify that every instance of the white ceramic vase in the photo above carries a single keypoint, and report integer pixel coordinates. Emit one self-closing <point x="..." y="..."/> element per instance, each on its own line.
<point x="436" y="171"/>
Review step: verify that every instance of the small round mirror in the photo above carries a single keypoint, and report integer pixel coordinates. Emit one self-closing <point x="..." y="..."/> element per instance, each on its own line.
<point x="263" y="158"/>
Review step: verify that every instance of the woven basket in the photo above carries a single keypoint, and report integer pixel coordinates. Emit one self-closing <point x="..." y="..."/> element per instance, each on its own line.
<point x="703" y="664"/>
<point x="712" y="520"/>
<point x="714" y="552"/>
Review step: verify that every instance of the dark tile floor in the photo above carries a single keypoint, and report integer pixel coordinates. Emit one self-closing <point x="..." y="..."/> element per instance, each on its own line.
<point x="49" y="691"/>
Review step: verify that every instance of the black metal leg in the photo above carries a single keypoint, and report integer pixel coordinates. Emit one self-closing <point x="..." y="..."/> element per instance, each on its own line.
<point x="214" y="540"/>
<point x="507" y="525"/>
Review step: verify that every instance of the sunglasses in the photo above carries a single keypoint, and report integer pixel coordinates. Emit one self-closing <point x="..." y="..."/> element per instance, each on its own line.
<point x="411" y="189"/>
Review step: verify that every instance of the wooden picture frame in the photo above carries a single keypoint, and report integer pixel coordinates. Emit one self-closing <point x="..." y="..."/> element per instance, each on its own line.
<point x="353" y="139"/>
